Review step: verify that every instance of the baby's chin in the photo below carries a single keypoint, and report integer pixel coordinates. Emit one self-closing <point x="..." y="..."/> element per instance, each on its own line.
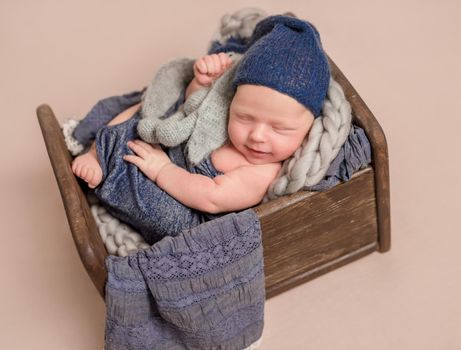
<point x="261" y="160"/>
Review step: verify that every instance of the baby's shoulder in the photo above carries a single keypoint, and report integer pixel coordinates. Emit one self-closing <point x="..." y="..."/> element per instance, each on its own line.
<point x="249" y="180"/>
<point x="257" y="172"/>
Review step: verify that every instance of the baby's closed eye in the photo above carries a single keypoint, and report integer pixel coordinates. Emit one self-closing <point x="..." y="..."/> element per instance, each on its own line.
<point x="283" y="128"/>
<point x="244" y="117"/>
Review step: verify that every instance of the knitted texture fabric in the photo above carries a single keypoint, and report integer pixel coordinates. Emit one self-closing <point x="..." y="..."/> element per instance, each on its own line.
<point x="119" y="238"/>
<point x="285" y="54"/>
<point x="235" y="30"/>
<point x="72" y="144"/>
<point x="162" y="93"/>
<point x="201" y="121"/>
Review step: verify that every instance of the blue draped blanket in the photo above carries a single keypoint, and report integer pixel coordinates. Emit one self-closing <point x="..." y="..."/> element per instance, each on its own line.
<point x="129" y="195"/>
<point x="202" y="289"/>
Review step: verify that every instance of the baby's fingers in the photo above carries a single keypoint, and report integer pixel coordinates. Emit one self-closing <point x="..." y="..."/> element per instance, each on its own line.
<point x="145" y="145"/>
<point x="76" y="168"/>
<point x="224" y="60"/>
<point x="133" y="159"/>
<point x="212" y="64"/>
<point x="84" y="173"/>
<point x="89" y="175"/>
<point x="201" y="67"/>
<point x="138" y="148"/>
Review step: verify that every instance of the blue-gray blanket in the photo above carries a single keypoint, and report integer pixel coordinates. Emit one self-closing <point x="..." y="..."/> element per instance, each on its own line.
<point x="202" y="288"/>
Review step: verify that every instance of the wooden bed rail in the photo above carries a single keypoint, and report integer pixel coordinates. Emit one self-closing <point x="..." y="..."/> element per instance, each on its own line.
<point x="83" y="227"/>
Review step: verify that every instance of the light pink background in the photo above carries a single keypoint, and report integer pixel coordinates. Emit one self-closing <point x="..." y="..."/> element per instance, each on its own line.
<point x="403" y="57"/>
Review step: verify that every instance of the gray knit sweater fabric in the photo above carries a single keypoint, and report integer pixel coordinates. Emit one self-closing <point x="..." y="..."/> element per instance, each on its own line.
<point x="201" y="121"/>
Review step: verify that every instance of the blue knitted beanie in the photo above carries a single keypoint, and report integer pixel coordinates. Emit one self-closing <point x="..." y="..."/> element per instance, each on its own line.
<point x="285" y="54"/>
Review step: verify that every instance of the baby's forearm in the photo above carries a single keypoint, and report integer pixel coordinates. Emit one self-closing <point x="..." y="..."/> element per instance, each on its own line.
<point x="193" y="86"/>
<point x="192" y="190"/>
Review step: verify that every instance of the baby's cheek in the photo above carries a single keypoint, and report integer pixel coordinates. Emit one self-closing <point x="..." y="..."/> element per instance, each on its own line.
<point x="236" y="131"/>
<point x="288" y="147"/>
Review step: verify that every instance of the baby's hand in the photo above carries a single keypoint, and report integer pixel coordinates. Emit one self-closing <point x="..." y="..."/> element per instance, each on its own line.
<point x="210" y="67"/>
<point x="150" y="159"/>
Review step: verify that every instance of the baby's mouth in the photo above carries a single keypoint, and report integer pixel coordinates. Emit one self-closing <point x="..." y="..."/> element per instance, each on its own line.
<point x="256" y="151"/>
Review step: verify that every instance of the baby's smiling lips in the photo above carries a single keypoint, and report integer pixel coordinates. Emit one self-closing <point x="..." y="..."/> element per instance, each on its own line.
<point x="256" y="151"/>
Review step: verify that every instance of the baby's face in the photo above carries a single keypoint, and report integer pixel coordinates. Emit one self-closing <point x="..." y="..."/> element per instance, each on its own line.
<point x="262" y="119"/>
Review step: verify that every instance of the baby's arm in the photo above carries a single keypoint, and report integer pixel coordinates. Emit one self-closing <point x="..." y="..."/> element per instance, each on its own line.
<point x="239" y="189"/>
<point x="207" y="69"/>
<point x="235" y="190"/>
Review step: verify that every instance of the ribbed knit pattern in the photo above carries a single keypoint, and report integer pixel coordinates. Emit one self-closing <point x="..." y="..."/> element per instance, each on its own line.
<point x="286" y="54"/>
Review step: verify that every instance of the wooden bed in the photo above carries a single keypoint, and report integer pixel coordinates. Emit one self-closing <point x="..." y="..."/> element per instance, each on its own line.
<point x="304" y="234"/>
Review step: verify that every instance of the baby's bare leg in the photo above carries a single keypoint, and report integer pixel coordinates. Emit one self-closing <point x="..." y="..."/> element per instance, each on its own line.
<point x="86" y="166"/>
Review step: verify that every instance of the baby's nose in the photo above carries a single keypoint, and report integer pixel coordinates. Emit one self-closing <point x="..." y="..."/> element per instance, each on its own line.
<point x="258" y="133"/>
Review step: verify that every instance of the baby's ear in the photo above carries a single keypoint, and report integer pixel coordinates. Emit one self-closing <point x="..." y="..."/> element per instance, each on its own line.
<point x="310" y="116"/>
<point x="309" y="121"/>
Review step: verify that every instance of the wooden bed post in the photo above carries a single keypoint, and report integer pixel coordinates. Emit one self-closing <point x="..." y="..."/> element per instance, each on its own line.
<point x="83" y="227"/>
<point x="380" y="159"/>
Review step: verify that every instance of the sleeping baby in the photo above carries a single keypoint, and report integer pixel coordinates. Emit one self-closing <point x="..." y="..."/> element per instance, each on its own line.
<point x="280" y="85"/>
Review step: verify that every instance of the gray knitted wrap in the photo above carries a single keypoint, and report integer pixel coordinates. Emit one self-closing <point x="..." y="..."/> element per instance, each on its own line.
<point x="201" y="120"/>
<point x="241" y="24"/>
